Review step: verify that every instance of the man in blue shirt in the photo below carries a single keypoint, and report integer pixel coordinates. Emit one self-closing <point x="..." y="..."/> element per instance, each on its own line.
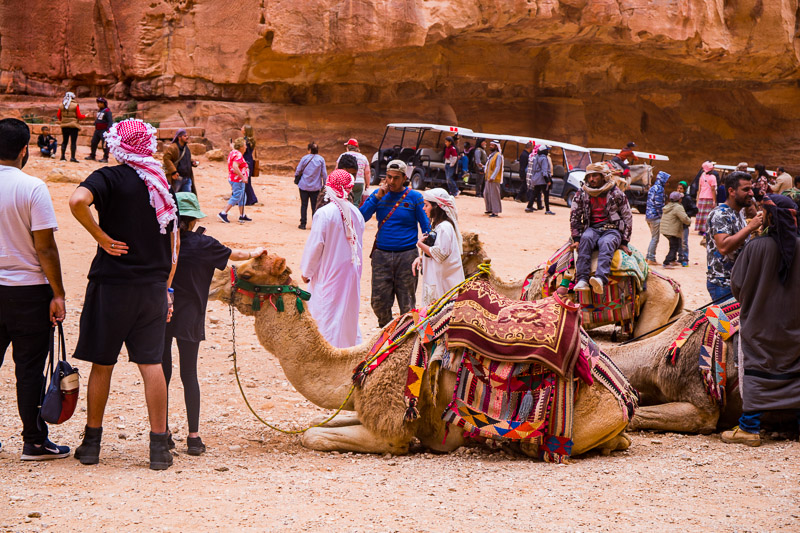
<point x="399" y="210"/>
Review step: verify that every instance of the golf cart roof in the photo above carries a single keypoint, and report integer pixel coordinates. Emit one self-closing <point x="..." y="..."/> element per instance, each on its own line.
<point x="435" y="127"/>
<point x="749" y="169"/>
<point x="641" y="155"/>
<point x="524" y="140"/>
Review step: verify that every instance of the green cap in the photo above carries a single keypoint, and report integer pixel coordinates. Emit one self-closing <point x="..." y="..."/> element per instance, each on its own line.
<point x="188" y="206"/>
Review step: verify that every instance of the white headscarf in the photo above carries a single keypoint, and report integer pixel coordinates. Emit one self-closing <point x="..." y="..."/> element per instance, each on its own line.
<point x="447" y="203"/>
<point x="68" y="97"/>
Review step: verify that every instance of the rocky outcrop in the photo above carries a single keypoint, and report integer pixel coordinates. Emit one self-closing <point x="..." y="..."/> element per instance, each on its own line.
<point x="693" y="79"/>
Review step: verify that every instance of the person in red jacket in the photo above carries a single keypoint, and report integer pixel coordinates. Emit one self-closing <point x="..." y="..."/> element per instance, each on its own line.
<point x="69" y="113"/>
<point x="623" y="155"/>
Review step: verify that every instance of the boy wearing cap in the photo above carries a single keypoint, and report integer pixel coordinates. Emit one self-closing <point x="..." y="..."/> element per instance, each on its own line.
<point x="199" y="256"/>
<point x="101" y="125"/>
<point x="399" y="210"/>
<point x="673" y="220"/>
<point x="363" y="174"/>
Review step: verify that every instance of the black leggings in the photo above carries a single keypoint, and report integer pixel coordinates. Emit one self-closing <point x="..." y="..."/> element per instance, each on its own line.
<point x="187" y="351"/>
<point x="71" y="136"/>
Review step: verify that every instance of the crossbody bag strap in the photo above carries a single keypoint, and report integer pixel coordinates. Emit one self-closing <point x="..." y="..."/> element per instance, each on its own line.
<point x="387" y="217"/>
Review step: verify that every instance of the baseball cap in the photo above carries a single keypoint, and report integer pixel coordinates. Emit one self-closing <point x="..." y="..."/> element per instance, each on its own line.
<point x="351" y="142"/>
<point x="396" y="165"/>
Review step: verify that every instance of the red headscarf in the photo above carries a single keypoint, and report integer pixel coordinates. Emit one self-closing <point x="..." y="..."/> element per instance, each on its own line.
<point x="339" y="184"/>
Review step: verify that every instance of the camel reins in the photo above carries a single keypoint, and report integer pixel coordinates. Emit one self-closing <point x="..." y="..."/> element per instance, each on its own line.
<point x="260" y="293"/>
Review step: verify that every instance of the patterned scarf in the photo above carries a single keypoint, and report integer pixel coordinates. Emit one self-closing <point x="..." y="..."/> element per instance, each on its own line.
<point x="68" y="97"/>
<point x="339" y="184"/>
<point x="783" y="228"/>
<point x="133" y="143"/>
<point x="447" y="203"/>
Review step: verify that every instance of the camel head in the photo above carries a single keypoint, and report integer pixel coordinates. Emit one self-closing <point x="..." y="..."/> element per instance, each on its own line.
<point x="473" y="253"/>
<point x="265" y="269"/>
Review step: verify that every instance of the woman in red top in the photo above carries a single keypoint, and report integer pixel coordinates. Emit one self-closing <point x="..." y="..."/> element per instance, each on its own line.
<point x="68" y="115"/>
<point x="450" y="161"/>
<point x="238" y="171"/>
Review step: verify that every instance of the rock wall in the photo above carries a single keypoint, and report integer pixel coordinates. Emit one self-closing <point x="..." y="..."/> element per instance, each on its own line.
<point x="690" y="78"/>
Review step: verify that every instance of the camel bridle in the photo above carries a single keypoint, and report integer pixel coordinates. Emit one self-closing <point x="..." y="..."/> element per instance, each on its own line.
<point x="259" y="293"/>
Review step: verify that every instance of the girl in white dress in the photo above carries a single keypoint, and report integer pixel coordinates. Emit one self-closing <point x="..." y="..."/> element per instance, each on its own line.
<point x="440" y="262"/>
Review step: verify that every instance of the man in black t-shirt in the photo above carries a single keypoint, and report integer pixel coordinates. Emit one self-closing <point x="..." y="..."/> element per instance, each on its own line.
<point x="101" y="124"/>
<point x="127" y="299"/>
<point x="47" y="143"/>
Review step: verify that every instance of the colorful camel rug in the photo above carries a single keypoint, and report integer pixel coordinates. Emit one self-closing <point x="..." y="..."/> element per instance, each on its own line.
<point x="721" y="323"/>
<point x="502" y="329"/>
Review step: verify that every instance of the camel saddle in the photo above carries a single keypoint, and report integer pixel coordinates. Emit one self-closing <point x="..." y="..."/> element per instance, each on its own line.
<point x="545" y="331"/>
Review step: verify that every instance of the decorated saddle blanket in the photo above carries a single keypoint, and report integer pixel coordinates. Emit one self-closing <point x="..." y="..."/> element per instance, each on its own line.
<point x="502" y="329"/>
<point x="719" y="323"/>
<point x="528" y="401"/>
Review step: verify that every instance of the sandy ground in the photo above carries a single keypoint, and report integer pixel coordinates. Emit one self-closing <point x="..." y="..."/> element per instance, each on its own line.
<point x="255" y="479"/>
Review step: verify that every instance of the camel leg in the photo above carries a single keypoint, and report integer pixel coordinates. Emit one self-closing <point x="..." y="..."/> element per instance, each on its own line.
<point x="619" y="443"/>
<point x="680" y="417"/>
<point x="355" y="438"/>
<point x="341" y="420"/>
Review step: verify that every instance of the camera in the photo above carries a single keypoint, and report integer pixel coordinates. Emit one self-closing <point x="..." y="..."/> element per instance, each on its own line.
<point x="430" y="238"/>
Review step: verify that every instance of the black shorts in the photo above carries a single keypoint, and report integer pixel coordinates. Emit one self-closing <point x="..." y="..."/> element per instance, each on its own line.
<point x="113" y="314"/>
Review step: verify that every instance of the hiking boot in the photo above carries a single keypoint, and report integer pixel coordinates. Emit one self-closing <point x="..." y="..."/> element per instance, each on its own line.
<point x="88" y="453"/>
<point x="43" y="452"/>
<point x="597" y="284"/>
<point x="739" y="436"/>
<point x="160" y="458"/>
<point x="581" y="286"/>
<point x="170" y="441"/>
<point x="223" y="217"/>
<point x="195" y="446"/>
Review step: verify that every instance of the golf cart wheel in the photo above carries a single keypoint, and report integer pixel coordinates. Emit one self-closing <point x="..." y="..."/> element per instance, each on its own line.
<point x="570" y="197"/>
<point x="417" y="181"/>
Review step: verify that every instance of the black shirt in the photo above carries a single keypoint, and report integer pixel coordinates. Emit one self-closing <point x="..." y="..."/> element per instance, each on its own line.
<point x="125" y="214"/>
<point x="200" y="255"/>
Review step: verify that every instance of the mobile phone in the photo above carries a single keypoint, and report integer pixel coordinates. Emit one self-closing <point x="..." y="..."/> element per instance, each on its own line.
<point x="200" y="230"/>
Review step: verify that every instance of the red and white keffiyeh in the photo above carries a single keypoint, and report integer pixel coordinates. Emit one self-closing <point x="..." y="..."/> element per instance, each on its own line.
<point x="133" y="142"/>
<point x="337" y="188"/>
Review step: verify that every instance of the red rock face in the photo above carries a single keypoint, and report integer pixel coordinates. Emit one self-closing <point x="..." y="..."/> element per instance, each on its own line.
<point x="690" y="78"/>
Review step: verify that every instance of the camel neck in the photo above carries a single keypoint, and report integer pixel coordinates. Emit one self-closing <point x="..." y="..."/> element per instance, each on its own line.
<point x="320" y="372"/>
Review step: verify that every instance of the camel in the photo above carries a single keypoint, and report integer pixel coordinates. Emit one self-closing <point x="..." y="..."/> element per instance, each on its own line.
<point x="674" y="397"/>
<point x="661" y="303"/>
<point x="323" y="375"/>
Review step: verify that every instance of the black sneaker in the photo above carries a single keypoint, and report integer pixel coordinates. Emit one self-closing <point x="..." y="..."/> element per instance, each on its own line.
<point x="104" y="160"/>
<point x="73" y="160"/>
<point x="48" y="450"/>
<point x="245" y="218"/>
<point x="549" y="213"/>
<point x="529" y="210"/>
<point x="223" y="217"/>
<point x="195" y="446"/>
<point x="301" y="226"/>
<point x="63" y="158"/>
<point x="89" y="158"/>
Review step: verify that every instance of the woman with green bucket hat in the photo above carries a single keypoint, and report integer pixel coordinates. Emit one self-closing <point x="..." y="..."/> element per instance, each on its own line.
<point x="199" y="256"/>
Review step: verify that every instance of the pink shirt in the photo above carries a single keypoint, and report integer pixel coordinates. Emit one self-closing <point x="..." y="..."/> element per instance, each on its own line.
<point x="708" y="187"/>
<point x="235" y="159"/>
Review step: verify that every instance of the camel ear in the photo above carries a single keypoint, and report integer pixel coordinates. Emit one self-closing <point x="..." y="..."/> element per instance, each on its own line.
<point x="278" y="266"/>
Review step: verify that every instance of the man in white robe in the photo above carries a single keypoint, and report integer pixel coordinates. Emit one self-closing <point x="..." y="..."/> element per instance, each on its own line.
<point x="332" y="264"/>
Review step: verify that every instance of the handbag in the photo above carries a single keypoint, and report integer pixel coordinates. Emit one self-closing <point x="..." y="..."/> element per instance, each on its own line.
<point x="299" y="175"/>
<point x="61" y="396"/>
<point x="256" y="169"/>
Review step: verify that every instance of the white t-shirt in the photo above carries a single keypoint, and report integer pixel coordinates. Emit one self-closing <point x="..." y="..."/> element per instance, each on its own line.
<point x="25" y="207"/>
<point x="363" y="163"/>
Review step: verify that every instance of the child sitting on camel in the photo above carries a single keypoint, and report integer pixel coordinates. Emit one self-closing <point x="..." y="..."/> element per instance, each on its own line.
<point x="601" y="220"/>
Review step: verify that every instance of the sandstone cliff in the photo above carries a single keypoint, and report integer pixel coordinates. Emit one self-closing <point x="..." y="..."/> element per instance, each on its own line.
<point x="689" y="78"/>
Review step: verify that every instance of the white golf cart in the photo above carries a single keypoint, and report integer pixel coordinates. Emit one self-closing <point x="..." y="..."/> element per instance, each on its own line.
<point x="641" y="175"/>
<point x="569" y="164"/>
<point x="420" y="146"/>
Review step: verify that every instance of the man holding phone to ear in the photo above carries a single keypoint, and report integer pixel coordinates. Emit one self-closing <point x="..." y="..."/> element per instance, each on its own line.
<point x="400" y="211"/>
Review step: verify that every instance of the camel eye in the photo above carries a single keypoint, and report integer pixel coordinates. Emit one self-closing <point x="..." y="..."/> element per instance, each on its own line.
<point x="246" y="276"/>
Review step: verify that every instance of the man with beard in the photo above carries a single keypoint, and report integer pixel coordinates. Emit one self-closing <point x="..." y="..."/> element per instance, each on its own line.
<point x="178" y="164"/>
<point x="727" y="232"/>
<point x="600" y="219"/>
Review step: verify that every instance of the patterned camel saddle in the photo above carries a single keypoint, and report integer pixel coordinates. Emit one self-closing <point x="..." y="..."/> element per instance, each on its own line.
<point x="518" y="365"/>
<point x="621" y="300"/>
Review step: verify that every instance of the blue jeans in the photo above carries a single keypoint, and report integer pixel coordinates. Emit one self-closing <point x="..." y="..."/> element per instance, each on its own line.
<point x="751" y="421"/>
<point x="718" y="292"/>
<point x="452" y="186"/>
<point x="607" y="242"/>
<point x="684" y="255"/>
<point x="655" y="225"/>
<point x="237" y="193"/>
<point x="182" y="185"/>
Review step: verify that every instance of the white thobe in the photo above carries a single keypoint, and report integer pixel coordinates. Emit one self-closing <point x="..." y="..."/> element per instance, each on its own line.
<point x="335" y="284"/>
<point x="443" y="270"/>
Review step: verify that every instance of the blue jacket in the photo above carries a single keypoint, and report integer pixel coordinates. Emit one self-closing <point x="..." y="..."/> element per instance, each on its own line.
<point x="399" y="233"/>
<point x="655" y="197"/>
